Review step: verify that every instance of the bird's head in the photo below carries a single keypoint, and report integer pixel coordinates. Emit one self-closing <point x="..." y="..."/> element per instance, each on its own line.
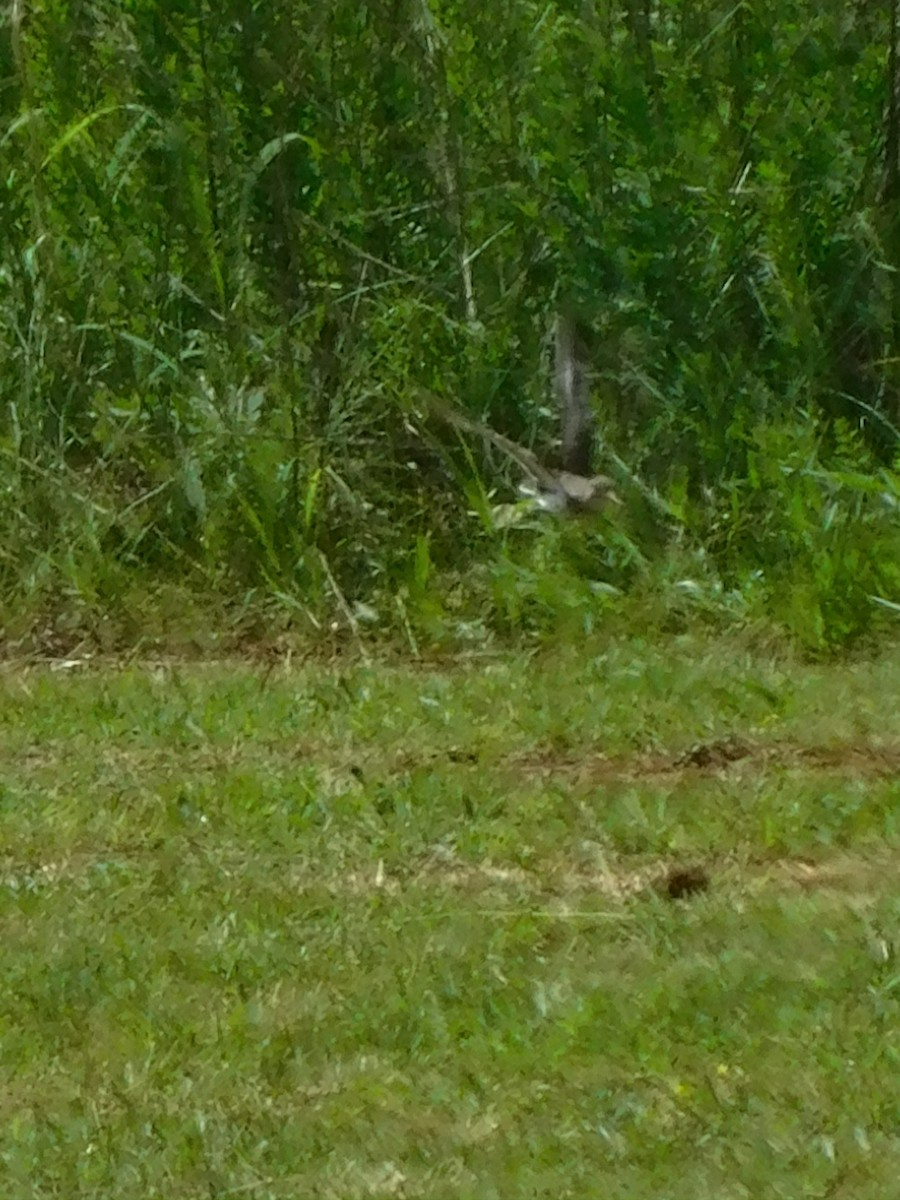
<point x="588" y="494"/>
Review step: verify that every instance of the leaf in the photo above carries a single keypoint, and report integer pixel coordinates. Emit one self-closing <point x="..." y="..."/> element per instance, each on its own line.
<point x="192" y="483"/>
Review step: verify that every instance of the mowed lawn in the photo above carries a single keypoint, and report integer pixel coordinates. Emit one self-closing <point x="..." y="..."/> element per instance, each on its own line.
<point x="407" y="931"/>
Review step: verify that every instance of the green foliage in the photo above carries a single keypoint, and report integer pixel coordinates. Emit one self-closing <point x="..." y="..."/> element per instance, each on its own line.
<point x="238" y="242"/>
<point x="820" y="546"/>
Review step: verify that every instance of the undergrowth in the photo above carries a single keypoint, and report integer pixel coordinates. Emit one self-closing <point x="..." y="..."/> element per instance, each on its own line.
<point x="237" y="248"/>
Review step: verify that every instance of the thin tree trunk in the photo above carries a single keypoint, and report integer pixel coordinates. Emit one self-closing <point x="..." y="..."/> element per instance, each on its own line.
<point x="450" y="155"/>
<point x="890" y="198"/>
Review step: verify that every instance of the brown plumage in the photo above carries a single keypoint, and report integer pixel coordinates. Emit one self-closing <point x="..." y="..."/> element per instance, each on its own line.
<point x="573" y="489"/>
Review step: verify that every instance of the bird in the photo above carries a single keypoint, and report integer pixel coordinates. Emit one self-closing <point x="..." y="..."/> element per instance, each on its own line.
<point x="573" y="489"/>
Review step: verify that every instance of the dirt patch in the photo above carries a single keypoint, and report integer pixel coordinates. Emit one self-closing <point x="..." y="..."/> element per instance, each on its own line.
<point x="855" y="759"/>
<point x="852" y="875"/>
<point x="709" y="755"/>
<point x="563" y="886"/>
<point x="715" y="757"/>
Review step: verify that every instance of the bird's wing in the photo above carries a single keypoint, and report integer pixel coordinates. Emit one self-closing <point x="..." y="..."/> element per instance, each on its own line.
<point x="519" y="454"/>
<point x="573" y="396"/>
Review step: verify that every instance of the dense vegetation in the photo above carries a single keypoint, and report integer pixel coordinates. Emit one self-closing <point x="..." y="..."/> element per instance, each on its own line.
<point x="239" y="239"/>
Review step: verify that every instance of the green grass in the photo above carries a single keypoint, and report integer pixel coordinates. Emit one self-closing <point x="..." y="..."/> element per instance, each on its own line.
<point x="376" y="931"/>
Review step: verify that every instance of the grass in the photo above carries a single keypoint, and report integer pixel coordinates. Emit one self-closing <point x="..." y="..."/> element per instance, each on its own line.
<point x="377" y="931"/>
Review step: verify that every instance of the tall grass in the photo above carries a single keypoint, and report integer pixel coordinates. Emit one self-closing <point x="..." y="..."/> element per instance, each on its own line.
<point x="235" y="246"/>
